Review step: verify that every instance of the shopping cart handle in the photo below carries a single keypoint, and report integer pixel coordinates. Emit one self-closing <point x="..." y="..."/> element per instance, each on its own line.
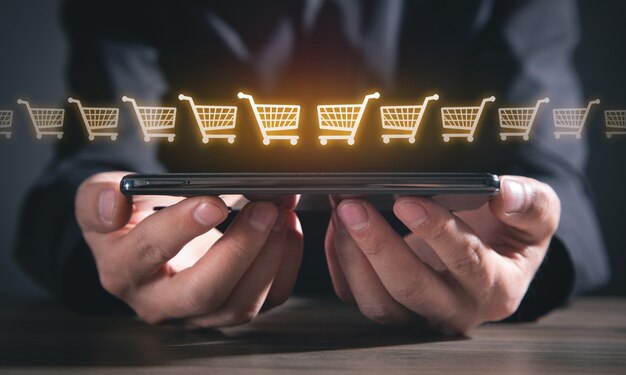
<point x="433" y="97"/>
<point x="545" y="100"/>
<point x="184" y="97"/>
<point x="241" y="95"/>
<point x="491" y="99"/>
<point x="127" y="99"/>
<point x="72" y="100"/>
<point x="375" y="95"/>
<point x="20" y="101"/>
<point x="597" y="101"/>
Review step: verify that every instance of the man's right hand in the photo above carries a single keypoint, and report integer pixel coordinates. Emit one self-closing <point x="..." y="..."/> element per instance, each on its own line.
<point x="174" y="264"/>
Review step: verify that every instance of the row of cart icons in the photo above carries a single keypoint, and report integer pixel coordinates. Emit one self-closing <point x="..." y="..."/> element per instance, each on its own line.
<point x="338" y="122"/>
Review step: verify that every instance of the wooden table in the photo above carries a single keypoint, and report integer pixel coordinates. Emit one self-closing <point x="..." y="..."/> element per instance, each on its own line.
<point x="316" y="336"/>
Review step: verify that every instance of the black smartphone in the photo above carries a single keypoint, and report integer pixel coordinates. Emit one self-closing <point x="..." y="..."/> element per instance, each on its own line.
<point x="457" y="191"/>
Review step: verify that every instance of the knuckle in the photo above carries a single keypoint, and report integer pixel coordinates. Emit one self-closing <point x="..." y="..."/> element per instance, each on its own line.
<point x="239" y="247"/>
<point x="150" y="253"/>
<point x="468" y="262"/>
<point x="195" y="300"/>
<point x="240" y="316"/>
<point x="441" y="231"/>
<point x="378" y="313"/>
<point x="374" y="245"/>
<point x="414" y="295"/>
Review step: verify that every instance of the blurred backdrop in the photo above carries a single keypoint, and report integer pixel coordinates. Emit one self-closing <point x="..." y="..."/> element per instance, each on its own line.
<point x="32" y="66"/>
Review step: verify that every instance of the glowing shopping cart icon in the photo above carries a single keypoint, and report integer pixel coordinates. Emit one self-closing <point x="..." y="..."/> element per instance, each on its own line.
<point x="572" y="120"/>
<point x="154" y="121"/>
<point x="615" y="123"/>
<point x="464" y="120"/>
<point x="404" y="119"/>
<point x="344" y="118"/>
<point x="273" y="118"/>
<point x="6" y="123"/>
<point x="98" y="121"/>
<point x="46" y="121"/>
<point x="212" y="119"/>
<point x="519" y="120"/>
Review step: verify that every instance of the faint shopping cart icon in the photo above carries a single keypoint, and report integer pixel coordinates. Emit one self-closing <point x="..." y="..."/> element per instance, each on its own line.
<point x="403" y="121"/>
<point x="98" y="121"/>
<point x="464" y="120"/>
<point x="274" y="118"/>
<point x="615" y="123"/>
<point x="343" y="118"/>
<point x="46" y="121"/>
<point x="154" y="121"/>
<point x="572" y="120"/>
<point x="212" y="120"/>
<point x="6" y="124"/>
<point x="519" y="120"/>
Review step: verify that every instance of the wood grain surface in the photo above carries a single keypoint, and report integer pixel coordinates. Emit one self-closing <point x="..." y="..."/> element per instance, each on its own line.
<point x="312" y="336"/>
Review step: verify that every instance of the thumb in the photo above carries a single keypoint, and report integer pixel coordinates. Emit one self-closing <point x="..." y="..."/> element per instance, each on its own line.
<point x="100" y="206"/>
<point x="528" y="205"/>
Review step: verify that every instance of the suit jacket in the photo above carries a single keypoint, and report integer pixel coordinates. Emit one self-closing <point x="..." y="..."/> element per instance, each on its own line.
<point x="318" y="52"/>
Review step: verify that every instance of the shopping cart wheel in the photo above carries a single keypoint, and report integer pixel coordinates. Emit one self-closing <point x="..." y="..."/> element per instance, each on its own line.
<point x="578" y="136"/>
<point x="324" y="141"/>
<point x="38" y="136"/>
<point x="91" y="137"/>
<point x="503" y="137"/>
<point x="608" y="136"/>
<point x="114" y="138"/>
<point x="525" y="137"/>
<point x="266" y="141"/>
<point x="170" y="139"/>
<point x="231" y="140"/>
<point x="293" y="141"/>
<point x="470" y="139"/>
<point x="558" y="136"/>
<point x="350" y="141"/>
<point x="9" y="136"/>
<point x="412" y="140"/>
<point x="205" y="140"/>
<point x="146" y="139"/>
<point x="386" y="139"/>
<point x="59" y="136"/>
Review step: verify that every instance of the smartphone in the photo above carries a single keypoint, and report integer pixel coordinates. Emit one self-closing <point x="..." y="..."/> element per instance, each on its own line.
<point x="456" y="191"/>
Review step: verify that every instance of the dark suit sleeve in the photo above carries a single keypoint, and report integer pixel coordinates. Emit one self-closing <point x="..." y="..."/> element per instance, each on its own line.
<point x="108" y="58"/>
<point x="539" y="37"/>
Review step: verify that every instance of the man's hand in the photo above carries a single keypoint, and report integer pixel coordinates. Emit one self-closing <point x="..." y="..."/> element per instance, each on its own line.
<point x="454" y="270"/>
<point x="174" y="264"/>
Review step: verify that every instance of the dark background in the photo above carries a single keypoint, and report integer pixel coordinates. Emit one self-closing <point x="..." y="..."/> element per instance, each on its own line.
<point x="32" y="66"/>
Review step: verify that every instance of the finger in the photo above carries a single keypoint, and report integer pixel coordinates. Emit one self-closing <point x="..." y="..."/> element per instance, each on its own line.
<point x="527" y="205"/>
<point x="340" y="284"/>
<point x="160" y="236"/>
<point x="207" y="284"/>
<point x="247" y="297"/>
<point x="408" y="280"/>
<point x="99" y="205"/>
<point x="454" y="242"/>
<point x="370" y="294"/>
<point x="287" y="273"/>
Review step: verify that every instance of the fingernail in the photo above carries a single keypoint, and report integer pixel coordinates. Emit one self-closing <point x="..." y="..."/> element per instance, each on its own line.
<point x="354" y="216"/>
<point x="208" y="214"/>
<point x="106" y="205"/>
<point x="413" y="214"/>
<point x="262" y="216"/>
<point x="280" y="223"/>
<point x="514" y="196"/>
